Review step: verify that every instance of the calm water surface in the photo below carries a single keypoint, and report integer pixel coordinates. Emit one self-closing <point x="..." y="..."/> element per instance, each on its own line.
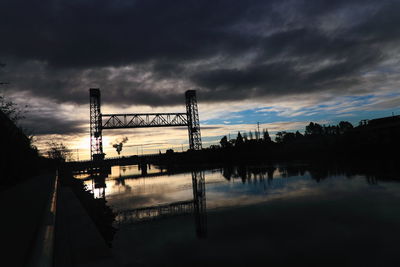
<point x="253" y="215"/>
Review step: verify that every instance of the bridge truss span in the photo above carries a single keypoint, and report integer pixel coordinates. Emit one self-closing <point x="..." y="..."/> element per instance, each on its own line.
<point x="100" y="122"/>
<point x="118" y="121"/>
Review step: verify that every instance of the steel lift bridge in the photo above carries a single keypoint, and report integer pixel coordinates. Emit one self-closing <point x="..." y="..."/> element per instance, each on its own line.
<point x="100" y="122"/>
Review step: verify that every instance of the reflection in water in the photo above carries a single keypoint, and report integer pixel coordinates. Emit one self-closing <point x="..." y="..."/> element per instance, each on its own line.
<point x="138" y="198"/>
<point x="247" y="173"/>
<point x="126" y="189"/>
<point x="132" y="216"/>
<point x="317" y="172"/>
<point x="98" y="179"/>
<point x="197" y="206"/>
<point x="199" y="198"/>
<point x="371" y="179"/>
<point x="262" y="213"/>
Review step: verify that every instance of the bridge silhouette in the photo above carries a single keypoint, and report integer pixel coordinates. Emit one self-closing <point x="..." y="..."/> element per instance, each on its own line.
<point x="140" y="175"/>
<point x="189" y="119"/>
<point x="197" y="206"/>
<point x="90" y="166"/>
<point x="137" y="215"/>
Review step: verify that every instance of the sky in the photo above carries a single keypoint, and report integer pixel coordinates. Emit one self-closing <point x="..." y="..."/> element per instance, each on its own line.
<point x="282" y="63"/>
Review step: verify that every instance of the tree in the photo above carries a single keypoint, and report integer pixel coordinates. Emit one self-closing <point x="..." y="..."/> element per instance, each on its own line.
<point x="279" y="137"/>
<point x="239" y="140"/>
<point x="15" y="113"/>
<point x="250" y="135"/>
<point x="330" y="130"/>
<point x="245" y="139"/>
<point x="314" y="129"/>
<point x="214" y="147"/>
<point x="224" y="142"/>
<point x="11" y="110"/>
<point x="344" y="126"/>
<point x="298" y="135"/>
<point x="288" y="138"/>
<point x="285" y="137"/>
<point x="266" y="136"/>
<point x="58" y="151"/>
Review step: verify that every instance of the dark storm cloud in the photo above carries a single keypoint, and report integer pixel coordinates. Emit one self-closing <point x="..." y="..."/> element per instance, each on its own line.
<point x="44" y="117"/>
<point x="228" y="49"/>
<point x="284" y="77"/>
<point x="103" y="33"/>
<point x="37" y="124"/>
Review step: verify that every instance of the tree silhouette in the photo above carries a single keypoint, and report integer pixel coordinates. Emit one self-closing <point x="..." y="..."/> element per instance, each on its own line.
<point x="345" y="126"/>
<point x="288" y="138"/>
<point x="245" y="139"/>
<point x="266" y="136"/>
<point x="224" y="142"/>
<point x="58" y="151"/>
<point x="279" y="137"/>
<point x="11" y="110"/>
<point x="314" y="129"/>
<point x="250" y="135"/>
<point x="239" y="140"/>
<point x="298" y="135"/>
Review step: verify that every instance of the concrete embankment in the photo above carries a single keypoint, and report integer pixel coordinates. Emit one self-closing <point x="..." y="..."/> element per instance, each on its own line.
<point x="78" y="243"/>
<point x="24" y="227"/>
<point x="22" y="207"/>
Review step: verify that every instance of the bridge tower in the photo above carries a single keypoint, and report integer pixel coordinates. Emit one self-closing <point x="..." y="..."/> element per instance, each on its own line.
<point x="199" y="203"/>
<point x="96" y="139"/>
<point x="124" y="121"/>
<point x="193" y="120"/>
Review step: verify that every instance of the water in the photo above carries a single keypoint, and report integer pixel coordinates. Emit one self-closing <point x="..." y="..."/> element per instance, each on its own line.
<point x="279" y="215"/>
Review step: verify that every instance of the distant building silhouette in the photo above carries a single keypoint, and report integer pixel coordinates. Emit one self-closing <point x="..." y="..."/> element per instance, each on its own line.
<point x="383" y="123"/>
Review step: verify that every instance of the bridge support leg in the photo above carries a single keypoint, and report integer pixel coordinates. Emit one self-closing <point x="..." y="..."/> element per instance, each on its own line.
<point x="199" y="198"/>
<point x="193" y="120"/>
<point x="96" y="139"/>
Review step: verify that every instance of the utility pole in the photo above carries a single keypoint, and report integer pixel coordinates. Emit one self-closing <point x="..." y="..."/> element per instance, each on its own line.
<point x="258" y="130"/>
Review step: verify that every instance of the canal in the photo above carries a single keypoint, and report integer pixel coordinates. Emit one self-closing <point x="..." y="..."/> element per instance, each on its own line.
<point x="276" y="214"/>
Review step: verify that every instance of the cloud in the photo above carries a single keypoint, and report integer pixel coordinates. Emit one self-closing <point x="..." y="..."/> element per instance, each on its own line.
<point x="104" y="33"/>
<point x="41" y="117"/>
<point x="386" y="104"/>
<point x="148" y="52"/>
<point x="43" y="125"/>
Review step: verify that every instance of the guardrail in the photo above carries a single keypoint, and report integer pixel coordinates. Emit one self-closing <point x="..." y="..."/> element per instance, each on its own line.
<point x="42" y="255"/>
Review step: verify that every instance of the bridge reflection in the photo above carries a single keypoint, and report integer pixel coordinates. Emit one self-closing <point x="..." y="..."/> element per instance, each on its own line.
<point x="137" y="215"/>
<point x="199" y="198"/>
<point x="196" y="206"/>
